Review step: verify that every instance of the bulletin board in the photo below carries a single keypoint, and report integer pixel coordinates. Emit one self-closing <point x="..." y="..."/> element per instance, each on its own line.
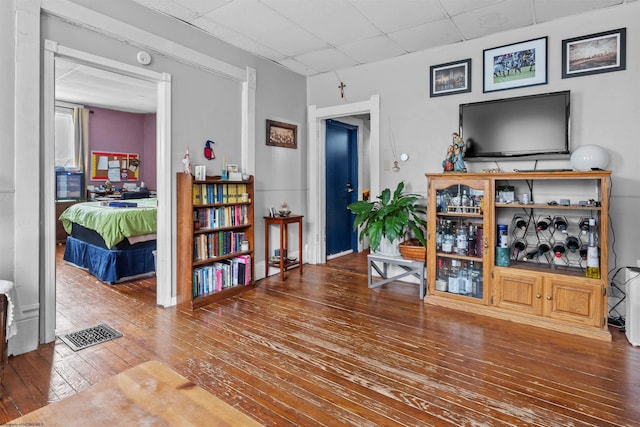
<point x="116" y="167"/>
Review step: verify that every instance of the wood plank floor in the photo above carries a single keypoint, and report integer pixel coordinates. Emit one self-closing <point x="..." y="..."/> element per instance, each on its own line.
<point x="324" y="350"/>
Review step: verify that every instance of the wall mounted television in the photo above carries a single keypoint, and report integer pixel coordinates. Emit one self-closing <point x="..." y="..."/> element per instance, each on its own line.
<point x="533" y="127"/>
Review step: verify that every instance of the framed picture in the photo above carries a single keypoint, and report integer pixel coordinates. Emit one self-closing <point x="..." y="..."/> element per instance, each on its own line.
<point x="281" y="134"/>
<point x="450" y="78"/>
<point x="595" y="53"/>
<point x="515" y="65"/>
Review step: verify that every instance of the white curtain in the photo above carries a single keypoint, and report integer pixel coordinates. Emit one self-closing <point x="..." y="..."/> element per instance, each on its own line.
<point x="81" y="138"/>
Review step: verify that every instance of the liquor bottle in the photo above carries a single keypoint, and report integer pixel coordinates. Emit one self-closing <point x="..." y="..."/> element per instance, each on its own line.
<point x="560" y="224"/>
<point x="439" y="235"/>
<point x="472" y="241"/>
<point x="593" y="259"/>
<point x="583" y="252"/>
<point x="442" y="277"/>
<point x="476" y="281"/>
<point x="573" y="244"/>
<point x="461" y="240"/>
<point x="448" y="238"/>
<point x="454" y="272"/>
<point x="464" y="281"/>
<point x="543" y="224"/>
<point x="518" y="247"/>
<point x="520" y="223"/>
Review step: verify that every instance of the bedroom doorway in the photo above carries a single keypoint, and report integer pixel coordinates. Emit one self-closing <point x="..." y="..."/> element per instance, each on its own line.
<point x="162" y="84"/>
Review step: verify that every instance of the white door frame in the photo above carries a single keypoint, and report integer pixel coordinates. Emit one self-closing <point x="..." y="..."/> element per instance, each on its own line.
<point x="316" y="253"/>
<point x="163" y="142"/>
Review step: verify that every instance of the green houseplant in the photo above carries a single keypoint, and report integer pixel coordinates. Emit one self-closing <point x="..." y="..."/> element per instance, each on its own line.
<point x="390" y="216"/>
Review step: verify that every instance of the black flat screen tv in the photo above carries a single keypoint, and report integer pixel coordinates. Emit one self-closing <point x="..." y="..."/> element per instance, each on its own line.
<point x="532" y="127"/>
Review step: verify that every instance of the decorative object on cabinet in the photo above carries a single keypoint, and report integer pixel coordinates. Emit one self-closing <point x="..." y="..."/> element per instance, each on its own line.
<point x="450" y="78"/>
<point x="454" y="161"/>
<point x="515" y="65"/>
<point x="595" y="53"/>
<point x="542" y="278"/>
<point x="390" y="217"/>
<point x="588" y="157"/>
<point x="280" y="134"/>
<point x="215" y="231"/>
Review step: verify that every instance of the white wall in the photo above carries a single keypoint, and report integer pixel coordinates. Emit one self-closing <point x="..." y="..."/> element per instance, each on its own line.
<point x="605" y="110"/>
<point x="205" y="106"/>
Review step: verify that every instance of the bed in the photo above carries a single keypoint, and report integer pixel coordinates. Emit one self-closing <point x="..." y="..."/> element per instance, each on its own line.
<point x="115" y="241"/>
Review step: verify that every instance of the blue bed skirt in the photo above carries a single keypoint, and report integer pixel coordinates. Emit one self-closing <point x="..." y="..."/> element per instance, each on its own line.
<point x="110" y="266"/>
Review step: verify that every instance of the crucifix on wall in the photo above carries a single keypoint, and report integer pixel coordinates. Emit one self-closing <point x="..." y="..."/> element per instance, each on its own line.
<point x="341" y="87"/>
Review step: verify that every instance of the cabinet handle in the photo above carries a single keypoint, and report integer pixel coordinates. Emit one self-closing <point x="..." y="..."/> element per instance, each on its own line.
<point x="486" y="242"/>
<point x="538" y="296"/>
<point x="549" y="297"/>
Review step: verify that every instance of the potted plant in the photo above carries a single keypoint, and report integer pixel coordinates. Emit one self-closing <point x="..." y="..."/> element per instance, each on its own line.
<point x="391" y="217"/>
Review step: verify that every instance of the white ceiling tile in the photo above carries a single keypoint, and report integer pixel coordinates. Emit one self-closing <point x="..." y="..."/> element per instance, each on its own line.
<point x="426" y="36"/>
<point x="496" y="18"/>
<point x="456" y="7"/>
<point x="371" y="50"/>
<point x="394" y="15"/>
<point x="297" y="67"/>
<point x="547" y="10"/>
<point x="334" y="21"/>
<point x="237" y="39"/>
<point x="257" y="22"/>
<point x="326" y="60"/>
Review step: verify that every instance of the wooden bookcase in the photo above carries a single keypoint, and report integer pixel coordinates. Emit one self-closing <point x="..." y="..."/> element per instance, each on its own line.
<point x="213" y="218"/>
<point x="549" y="290"/>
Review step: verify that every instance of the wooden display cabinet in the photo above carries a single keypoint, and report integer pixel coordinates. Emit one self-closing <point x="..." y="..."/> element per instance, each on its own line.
<point x="214" y="218"/>
<point x="544" y="284"/>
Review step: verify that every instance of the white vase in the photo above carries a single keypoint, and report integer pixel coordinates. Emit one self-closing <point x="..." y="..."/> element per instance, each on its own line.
<point x="388" y="247"/>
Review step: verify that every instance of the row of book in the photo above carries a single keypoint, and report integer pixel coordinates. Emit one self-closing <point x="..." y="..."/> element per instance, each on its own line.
<point x="207" y="194"/>
<point x="211" y="245"/>
<point x="222" y="275"/>
<point x="225" y="216"/>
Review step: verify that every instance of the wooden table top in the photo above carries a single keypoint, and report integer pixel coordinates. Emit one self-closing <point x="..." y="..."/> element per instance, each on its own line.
<point x="148" y="394"/>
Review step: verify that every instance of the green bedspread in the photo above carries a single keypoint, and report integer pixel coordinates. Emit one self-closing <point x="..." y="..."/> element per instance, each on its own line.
<point x="113" y="224"/>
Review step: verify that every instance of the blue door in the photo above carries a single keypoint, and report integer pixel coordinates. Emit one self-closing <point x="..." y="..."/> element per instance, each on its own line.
<point x="341" y="155"/>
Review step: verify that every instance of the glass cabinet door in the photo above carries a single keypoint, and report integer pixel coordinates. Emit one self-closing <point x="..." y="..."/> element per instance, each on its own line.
<point x="458" y="239"/>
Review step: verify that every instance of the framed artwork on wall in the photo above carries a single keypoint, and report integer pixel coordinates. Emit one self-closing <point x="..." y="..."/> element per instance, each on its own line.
<point x="450" y="78"/>
<point x="281" y="134"/>
<point x="515" y="65"/>
<point x="595" y="53"/>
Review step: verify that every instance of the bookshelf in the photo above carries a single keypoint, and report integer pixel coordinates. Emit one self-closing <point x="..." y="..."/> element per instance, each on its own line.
<point x="215" y="239"/>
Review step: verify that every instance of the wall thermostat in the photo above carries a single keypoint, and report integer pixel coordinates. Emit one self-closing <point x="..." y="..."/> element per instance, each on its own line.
<point x="143" y="57"/>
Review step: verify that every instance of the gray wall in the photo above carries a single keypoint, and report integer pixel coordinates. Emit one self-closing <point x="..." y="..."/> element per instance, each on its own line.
<point x="605" y="110"/>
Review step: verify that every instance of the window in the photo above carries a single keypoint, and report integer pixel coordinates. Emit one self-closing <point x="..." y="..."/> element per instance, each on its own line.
<point x="65" y="147"/>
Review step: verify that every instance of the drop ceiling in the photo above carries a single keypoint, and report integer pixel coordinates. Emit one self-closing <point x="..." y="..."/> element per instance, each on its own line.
<point x="319" y="36"/>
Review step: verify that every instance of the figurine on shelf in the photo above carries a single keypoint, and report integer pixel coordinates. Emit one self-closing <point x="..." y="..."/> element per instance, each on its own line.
<point x="454" y="162"/>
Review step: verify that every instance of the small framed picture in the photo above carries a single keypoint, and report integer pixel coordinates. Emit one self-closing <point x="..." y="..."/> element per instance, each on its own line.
<point x="281" y="134"/>
<point x="515" y="65"/>
<point x="450" y="78"/>
<point x="232" y="168"/>
<point x="593" y="54"/>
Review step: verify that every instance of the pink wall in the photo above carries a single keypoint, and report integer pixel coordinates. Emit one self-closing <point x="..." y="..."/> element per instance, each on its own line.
<point x="118" y="131"/>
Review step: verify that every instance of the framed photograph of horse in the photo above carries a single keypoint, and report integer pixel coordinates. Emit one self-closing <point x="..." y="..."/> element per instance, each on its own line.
<point x="595" y="53"/>
<point x="515" y="65"/>
<point x="450" y="78"/>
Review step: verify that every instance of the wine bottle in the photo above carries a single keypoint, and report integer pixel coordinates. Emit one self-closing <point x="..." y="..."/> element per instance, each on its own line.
<point x="559" y="248"/>
<point x="584" y="225"/>
<point x="518" y="247"/>
<point x="543" y="224"/>
<point x="538" y="252"/>
<point x="593" y="258"/>
<point x="573" y="244"/>
<point x="472" y="241"/>
<point x="560" y="224"/>
<point x="520" y="223"/>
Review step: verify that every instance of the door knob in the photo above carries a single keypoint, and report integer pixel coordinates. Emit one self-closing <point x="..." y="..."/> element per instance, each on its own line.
<point x="349" y="188"/>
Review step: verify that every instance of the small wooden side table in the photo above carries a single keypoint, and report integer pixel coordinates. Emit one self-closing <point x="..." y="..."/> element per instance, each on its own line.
<point x="283" y="263"/>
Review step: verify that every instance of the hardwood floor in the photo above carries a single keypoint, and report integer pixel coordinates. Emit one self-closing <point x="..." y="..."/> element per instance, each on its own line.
<point x="323" y="349"/>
